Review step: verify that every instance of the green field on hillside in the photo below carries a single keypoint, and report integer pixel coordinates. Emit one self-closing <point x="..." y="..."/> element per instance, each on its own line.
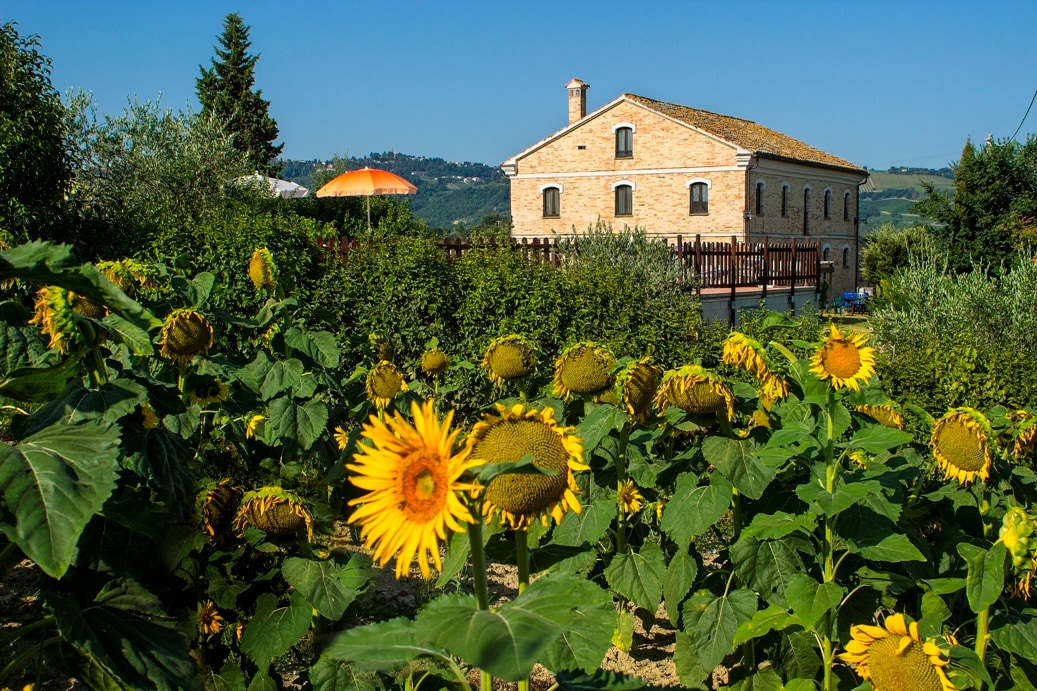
<point x="883" y="180"/>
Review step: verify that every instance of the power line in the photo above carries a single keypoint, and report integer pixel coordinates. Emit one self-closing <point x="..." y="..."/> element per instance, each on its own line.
<point x="1024" y="115"/>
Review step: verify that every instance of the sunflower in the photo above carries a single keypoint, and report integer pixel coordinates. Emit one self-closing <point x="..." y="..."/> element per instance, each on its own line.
<point x="885" y="414"/>
<point x="760" y="418"/>
<point x="697" y="390"/>
<point x="521" y="498"/>
<point x="86" y="307"/>
<point x="1023" y="433"/>
<point x="750" y="355"/>
<point x="584" y="368"/>
<point x="895" y="658"/>
<point x="383" y="383"/>
<point x="219" y="503"/>
<point x="209" y="620"/>
<point x="252" y="426"/>
<point x="844" y="359"/>
<point x="434" y="362"/>
<point x="212" y="391"/>
<point x="124" y="274"/>
<point x="508" y="357"/>
<point x="413" y="481"/>
<point x="1015" y="533"/>
<point x="961" y="445"/>
<point x="636" y="386"/>
<point x="55" y="316"/>
<point x="274" y="510"/>
<point x="148" y="417"/>
<point x="630" y="499"/>
<point x="185" y="333"/>
<point x="262" y="269"/>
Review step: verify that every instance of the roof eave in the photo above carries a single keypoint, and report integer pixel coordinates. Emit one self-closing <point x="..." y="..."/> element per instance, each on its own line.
<point x="819" y="164"/>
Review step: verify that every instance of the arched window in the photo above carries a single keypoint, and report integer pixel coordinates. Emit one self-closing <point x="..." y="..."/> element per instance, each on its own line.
<point x="698" y="194"/>
<point x="826" y="253"/>
<point x="624" y="199"/>
<point x="552" y="201"/>
<point x="806" y="210"/>
<point x="846" y="205"/>
<point x="784" y="201"/>
<point x="846" y="257"/>
<point x="828" y="204"/>
<point x="759" y="198"/>
<point x="624" y="142"/>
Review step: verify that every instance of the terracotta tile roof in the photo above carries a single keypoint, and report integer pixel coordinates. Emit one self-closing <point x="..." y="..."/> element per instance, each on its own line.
<point x="744" y="133"/>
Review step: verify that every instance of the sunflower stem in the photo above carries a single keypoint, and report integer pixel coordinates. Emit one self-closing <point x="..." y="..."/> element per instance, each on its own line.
<point x="982" y="626"/>
<point x="479" y="584"/>
<point x="621" y="477"/>
<point x="522" y="558"/>
<point x="831" y="473"/>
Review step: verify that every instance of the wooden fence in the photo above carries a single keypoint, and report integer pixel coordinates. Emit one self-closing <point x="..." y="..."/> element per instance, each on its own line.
<point x="712" y="265"/>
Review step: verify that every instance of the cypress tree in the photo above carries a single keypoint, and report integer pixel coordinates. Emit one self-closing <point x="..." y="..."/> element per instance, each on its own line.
<point x="225" y="91"/>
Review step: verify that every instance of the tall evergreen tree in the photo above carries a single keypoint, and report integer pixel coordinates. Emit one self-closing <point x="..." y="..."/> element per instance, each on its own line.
<point x="225" y="90"/>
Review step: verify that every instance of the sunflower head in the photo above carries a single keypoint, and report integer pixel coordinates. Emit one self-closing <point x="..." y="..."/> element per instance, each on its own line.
<point x="885" y="414"/>
<point x="208" y="391"/>
<point x="844" y="360"/>
<point x="630" y="499"/>
<point x="1015" y="533"/>
<point x="434" y="362"/>
<point x="86" y="307"/>
<point x="262" y="269"/>
<point x="1022" y="434"/>
<point x="760" y="418"/>
<point x="274" y="510"/>
<point x="381" y="347"/>
<point x="252" y="426"/>
<point x="584" y="368"/>
<point x="961" y="444"/>
<point x="383" y="383"/>
<point x="218" y="503"/>
<point x="148" y="417"/>
<point x="185" y="333"/>
<point x="894" y="658"/>
<point x="56" y="317"/>
<point x="697" y="390"/>
<point x="413" y="482"/>
<point x="749" y="354"/>
<point x="636" y="387"/>
<point x="209" y="620"/>
<point x="521" y="498"/>
<point x="509" y="357"/>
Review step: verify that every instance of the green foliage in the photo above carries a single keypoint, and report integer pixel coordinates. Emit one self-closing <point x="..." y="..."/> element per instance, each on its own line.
<point x="34" y="164"/>
<point x="226" y="93"/>
<point x="993" y="207"/>
<point x="889" y="249"/>
<point x="959" y="340"/>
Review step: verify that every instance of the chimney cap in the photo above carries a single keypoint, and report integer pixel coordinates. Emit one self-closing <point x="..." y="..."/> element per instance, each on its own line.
<point x="577" y="84"/>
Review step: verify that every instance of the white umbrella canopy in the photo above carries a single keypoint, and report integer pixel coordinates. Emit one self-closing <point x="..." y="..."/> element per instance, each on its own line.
<point x="277" y="187"/>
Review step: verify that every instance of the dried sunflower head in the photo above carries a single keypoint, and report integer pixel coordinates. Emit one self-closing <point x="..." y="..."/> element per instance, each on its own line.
<point x="509" y="357"/>
<point x="636" y="387"/>
<point x="434" y="362"/>
<point x="697" y="390"/>
<point x="185" y="334"/>
<point x="383" y="383"/>
<point x="584" y="369"/>
<point x="274" y="510"/>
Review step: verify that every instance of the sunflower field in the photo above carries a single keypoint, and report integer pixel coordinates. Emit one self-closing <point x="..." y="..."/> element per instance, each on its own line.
<point x="216" y="520"/>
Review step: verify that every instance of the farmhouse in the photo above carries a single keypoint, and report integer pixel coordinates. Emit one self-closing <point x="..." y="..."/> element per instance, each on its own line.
<point x="678" y="171"/>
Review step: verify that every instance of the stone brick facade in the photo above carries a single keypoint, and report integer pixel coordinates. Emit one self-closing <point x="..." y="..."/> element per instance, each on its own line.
<point x="673" y="148"/>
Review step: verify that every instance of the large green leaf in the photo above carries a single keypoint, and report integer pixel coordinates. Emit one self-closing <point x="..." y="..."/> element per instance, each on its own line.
<point x="811" y="600"/>
<point x="600" y="681"/>
<point x="53" y="482"/>
<point x="319" y="346"/>
<point x="891" y="548"/>
<point x="844" y="495"/>
<point x="506" y="643"/>
<point x="638" y="576"/>
<point x="328" y="674"/>
<point x="677" y="582"/>
<point x="280" y="377"/>
<point x="694" y="508"/>
<point x="799" y="656"/>
<point x="21" y="344"/>
<point x="302" y="424"/>
<point x="877" y="438"/>
<point x="767" y="566"/>
<point x="38" y="384"/>
<point x="775" y="526"/>
<point x="715" y="630"/>
<point x="736" y="459"/>
<point x="588" y="634"/>
<point x="774" y="617"/>
<point x="1019" y="638"/>
<point x="690" y="671"/>
<point x="986" y="574"/>
<point x="275" y="628"/>
<point x="383" y="647"/>
<point x="598" y="424"/>
<point x="586" y="527"/>
<point x="136" y="339"/>
<point x="319" y="582"/>
<point x="124" y="634"/>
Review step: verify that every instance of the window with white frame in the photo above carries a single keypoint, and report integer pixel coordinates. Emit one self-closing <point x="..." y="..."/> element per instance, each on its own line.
<point x="698" y="194"/>
<point x="624" y="199"/>
<point x="552" y="201"/>
<point x="624" y="141"/>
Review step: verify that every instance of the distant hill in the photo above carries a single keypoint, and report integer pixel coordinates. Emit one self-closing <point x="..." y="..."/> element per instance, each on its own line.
<point x="890" y="195"/>
<point x="449" y="193"/>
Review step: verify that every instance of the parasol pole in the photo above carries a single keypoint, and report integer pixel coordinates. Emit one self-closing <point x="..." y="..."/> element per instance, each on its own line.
<point x="368" y="214"/>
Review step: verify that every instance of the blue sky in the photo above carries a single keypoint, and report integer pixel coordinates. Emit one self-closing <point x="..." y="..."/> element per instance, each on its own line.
<point x="879" y="84"/>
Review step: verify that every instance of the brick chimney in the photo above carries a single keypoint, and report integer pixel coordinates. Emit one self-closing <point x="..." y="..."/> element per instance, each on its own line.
<point x="577" y="100"/>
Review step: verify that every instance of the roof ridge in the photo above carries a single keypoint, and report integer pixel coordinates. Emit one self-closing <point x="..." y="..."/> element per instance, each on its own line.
<point x="699" y="110"/>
